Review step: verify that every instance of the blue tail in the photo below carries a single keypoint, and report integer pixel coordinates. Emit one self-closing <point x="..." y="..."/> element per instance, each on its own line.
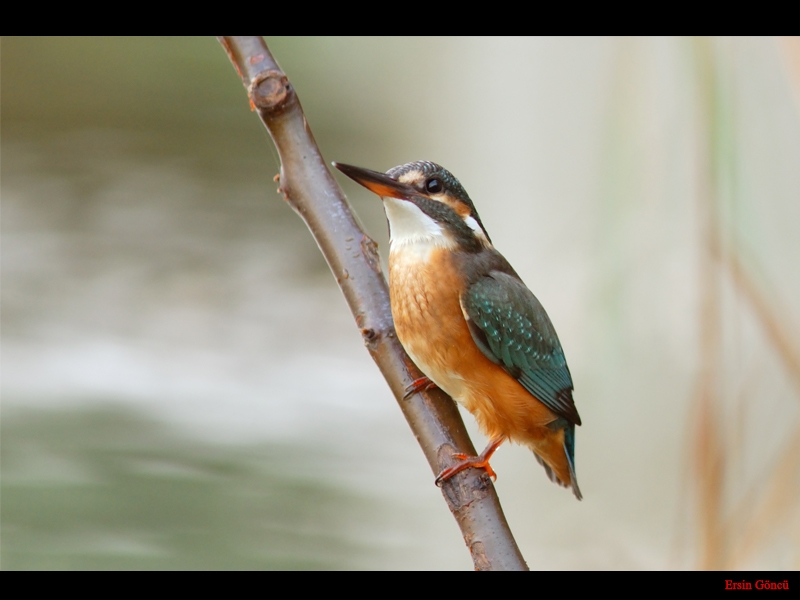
<point x="569" y="451"/>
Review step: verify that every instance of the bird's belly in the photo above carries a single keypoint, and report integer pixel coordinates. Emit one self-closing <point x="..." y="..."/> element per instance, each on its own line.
<point x="433" y="330"/>
<point x="428" y="319"/>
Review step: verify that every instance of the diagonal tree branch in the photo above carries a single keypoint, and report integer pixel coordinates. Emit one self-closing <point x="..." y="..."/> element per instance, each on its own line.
<point x="311" y="191"/>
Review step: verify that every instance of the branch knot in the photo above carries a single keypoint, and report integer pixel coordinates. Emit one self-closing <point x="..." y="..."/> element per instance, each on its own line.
<point x="270" y="91"/>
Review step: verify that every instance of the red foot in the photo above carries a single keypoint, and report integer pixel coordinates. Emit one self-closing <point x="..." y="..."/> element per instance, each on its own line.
<point x="479" y="462"/>
<point x="418" y="385"/>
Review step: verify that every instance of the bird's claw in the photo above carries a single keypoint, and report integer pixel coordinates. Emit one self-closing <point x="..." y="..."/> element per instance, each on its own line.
<point x="418" y="385"/>
<point x="476" y="462"/>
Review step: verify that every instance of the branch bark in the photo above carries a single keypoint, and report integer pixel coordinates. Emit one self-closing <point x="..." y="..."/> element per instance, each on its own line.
<point x="309" y="188"/>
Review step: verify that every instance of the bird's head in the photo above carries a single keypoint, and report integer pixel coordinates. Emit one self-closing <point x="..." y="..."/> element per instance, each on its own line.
<point x="424" y="203"/>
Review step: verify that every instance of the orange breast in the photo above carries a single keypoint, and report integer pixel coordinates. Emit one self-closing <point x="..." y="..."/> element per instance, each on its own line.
<point x="425" y="292"/>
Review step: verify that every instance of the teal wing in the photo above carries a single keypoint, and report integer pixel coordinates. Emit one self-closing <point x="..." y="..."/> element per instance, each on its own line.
<point x="512" y="329"/>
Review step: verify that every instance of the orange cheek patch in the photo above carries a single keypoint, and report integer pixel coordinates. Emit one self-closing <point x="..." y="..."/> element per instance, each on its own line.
<point x="461" y="209"/>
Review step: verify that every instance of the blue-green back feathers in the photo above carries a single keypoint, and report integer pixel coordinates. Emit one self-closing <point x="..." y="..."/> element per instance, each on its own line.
<point x="513" y="330"/>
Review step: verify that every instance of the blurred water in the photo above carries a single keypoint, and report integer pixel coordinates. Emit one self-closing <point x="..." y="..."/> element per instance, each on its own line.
<point x="156" y="280"/>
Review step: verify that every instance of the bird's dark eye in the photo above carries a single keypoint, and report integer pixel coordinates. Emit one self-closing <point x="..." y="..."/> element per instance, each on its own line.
<point x="434" y="185"/>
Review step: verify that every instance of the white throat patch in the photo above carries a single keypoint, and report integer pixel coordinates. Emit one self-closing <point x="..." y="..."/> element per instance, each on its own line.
<point x="408" y="225"/>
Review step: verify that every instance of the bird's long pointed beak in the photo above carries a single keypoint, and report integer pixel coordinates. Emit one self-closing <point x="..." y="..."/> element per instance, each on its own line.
<point x="376" y="182"/>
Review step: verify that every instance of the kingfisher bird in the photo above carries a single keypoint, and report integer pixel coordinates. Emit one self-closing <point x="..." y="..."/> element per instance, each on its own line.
<point x="469" y="323"/>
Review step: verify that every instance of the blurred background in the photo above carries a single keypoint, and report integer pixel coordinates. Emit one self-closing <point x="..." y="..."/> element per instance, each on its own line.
<point x="182" y="382"/>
